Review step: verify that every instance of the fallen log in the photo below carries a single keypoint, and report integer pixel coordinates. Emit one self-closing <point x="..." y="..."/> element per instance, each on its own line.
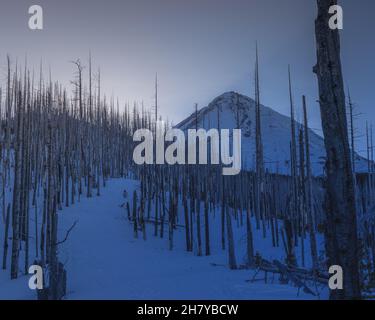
<point x="293" y="277"/>
<point x="287" y="272"/>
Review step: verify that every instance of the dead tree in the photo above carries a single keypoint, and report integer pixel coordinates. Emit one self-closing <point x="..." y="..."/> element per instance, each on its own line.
<point x="341" y="223"/>
<point x="16" y="188"/>
<point x="5" y="251"/>
<point x="309" y="196"/>
<point x="294" y="204"/>
<point x="231" y="252"/>
<point x="186" y="213"/>
<point x="352" y="131"/>
<point x="259" y="153"/>
<point x="206" y="221"/>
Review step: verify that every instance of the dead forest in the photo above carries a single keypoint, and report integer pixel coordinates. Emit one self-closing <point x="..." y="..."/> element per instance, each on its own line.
<point x="60" y="144"/>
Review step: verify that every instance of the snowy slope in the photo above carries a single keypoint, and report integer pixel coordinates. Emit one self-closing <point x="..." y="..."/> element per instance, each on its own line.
<point x="104" y="261"/>
<point x="275" y="133"/>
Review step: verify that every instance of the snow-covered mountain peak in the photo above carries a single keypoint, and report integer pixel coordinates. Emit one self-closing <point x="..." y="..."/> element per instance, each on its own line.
<point x="233" y="110"/>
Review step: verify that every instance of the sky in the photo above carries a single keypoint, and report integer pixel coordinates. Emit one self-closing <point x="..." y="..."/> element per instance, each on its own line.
<point x="199" y="49"/>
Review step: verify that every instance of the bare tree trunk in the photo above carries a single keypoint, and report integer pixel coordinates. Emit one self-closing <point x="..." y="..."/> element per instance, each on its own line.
<point x="352" y="131"/>
<point x="186" y="215"/>
<point x="5" y="252"/>
<point x="231" y="253"/>
<point x="222" y="211"/>
<point x="310" y="220"/>
<point x="206" y="222"/>
<point x="341" y="230"/>
<point x="259" y="153"/>
<point x="249" y="237"/>
<point x="293" y="161"/>
<point x="16" y="191"/>
<point x="369" y="191"/>
<point x="135" y="214"/>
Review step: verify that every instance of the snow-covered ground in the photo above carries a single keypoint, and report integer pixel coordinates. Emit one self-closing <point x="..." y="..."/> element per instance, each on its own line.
<point x="104" y="261"/>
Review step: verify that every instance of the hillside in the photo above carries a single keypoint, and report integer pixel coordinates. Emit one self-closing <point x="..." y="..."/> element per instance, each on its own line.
<point x="105" y="261"/>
